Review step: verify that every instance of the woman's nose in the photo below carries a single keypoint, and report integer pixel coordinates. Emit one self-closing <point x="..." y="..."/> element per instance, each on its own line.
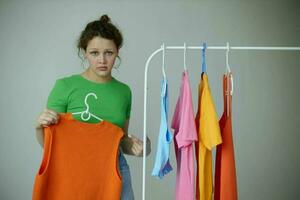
<point x="101" y="58"/>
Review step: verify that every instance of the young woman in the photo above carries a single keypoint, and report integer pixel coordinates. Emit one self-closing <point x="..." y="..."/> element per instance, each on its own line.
<point x="99" y="44"/>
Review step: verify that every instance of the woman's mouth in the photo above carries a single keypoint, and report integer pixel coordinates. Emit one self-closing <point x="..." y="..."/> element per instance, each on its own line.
<point x="103" y="68"/>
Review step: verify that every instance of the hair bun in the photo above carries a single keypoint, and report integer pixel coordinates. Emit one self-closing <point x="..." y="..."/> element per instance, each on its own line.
<point x="104" y="19"/>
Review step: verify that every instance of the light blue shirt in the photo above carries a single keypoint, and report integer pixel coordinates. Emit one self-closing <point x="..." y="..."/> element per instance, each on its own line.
<point x="162" y="165"/>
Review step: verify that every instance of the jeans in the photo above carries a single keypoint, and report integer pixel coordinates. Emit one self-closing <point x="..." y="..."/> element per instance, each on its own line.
<point x="127" y="191"/>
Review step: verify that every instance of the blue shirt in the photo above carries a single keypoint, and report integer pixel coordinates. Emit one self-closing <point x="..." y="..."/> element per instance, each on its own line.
<point x="162" y="165"/>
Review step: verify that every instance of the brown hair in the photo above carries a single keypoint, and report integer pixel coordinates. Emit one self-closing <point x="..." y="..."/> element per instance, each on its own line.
<point x="102" y="28"/>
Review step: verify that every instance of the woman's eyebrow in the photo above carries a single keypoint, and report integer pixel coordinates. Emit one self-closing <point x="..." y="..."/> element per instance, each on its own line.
<point x="111" y="49"/>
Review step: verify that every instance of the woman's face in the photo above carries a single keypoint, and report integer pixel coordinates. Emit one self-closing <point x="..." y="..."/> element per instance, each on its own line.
<point x="101" y="54"/>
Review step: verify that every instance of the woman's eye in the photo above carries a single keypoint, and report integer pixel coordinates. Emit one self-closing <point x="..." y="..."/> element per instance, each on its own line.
<point x="109" y="52"/>
<point x="94" y="53"/>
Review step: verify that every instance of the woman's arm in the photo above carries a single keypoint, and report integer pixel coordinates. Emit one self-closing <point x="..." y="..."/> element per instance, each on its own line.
<point x="39" y="133"/>
<point x="131" y="145"/>
<point x="46" y="118"/>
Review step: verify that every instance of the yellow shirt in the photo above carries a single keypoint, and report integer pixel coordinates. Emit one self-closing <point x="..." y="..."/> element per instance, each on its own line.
<point x="209" y="135"/>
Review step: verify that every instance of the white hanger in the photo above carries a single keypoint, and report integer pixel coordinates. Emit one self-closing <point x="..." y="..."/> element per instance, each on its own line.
<point x="163" y="60"/>
<point x="227" y="59"/>
<point x="163" y="67"/>
<point x="87" y="109"/>
<point x="184" y="57"/>
<point x="228" y="67"/>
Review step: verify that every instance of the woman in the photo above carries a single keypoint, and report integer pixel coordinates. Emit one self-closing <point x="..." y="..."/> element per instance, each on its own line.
<point x="100" y="43"/>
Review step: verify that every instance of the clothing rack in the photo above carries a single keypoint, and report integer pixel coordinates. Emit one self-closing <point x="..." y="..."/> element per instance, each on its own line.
<point x="184" y="47"/>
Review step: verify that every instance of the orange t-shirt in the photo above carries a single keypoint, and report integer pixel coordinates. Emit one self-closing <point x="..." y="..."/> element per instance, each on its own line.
<point x="80" y="161"/>
<point x="225" y="173"/>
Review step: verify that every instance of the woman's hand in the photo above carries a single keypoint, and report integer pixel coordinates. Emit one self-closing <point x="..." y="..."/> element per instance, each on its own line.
<point x="46" y="118"/>
<point x="134" y="146"/>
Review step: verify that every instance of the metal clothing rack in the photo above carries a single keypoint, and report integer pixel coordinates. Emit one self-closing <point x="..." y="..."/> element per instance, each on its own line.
<point x="184" y="47"/>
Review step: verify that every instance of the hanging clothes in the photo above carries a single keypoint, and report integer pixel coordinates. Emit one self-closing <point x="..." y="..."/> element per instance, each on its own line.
<point x="225" y="172"/>
<point x="79" y="161"/>
<point x="184" y="136"/>
<point x="209" y="135"/>
<point x="162" y="164"/>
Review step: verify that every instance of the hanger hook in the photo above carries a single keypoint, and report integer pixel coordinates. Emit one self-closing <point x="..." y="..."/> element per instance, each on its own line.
<point x="203" y="58"/>
<point x="184" y="56"/>
<point x="227" y="58"/>
<point x="227" y="47"/>
<point x="228" y="68"/>
<point x="87" y="107"/>
<point x="163" y="60"/>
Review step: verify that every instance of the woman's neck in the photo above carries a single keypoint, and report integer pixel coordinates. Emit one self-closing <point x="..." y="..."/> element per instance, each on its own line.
<point x="88" y="74"/>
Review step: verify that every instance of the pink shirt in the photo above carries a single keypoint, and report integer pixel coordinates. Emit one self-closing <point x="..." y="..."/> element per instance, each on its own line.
<point x="185" y="134"/>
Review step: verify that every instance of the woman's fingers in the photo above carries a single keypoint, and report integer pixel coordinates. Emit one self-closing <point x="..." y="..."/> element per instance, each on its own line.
<point x="47" y="117"/>
<point x="52" y="114"/>
<point x="136" y="148"/>
<point x="135" y="145"/>
<point x="136" y="140"/>
<point x="44" y="123"/>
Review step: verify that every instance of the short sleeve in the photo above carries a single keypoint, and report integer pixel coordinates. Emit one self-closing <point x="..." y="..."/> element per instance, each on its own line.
<point x="58" y="97"/>
<point x="128" y="109"/>
<point x="187" y="133"/>
<point x="209" y="128"/>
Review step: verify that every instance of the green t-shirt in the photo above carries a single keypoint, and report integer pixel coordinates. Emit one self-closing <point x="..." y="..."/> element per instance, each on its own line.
<point x="113" y="101"/>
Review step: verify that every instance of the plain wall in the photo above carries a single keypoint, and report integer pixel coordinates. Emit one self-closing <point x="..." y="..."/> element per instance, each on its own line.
<point x="38" y="40"/>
